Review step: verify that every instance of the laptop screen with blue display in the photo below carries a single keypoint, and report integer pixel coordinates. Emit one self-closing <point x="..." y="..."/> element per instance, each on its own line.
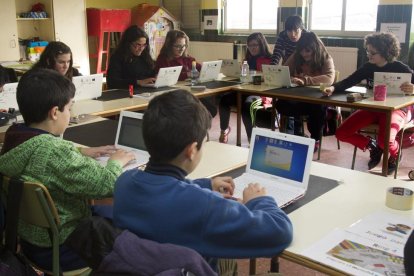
<point x="279" y="157"/>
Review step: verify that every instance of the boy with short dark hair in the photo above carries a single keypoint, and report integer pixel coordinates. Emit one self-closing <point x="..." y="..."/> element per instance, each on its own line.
<point x="34" y="152"/>
<point x="160" y="204"/>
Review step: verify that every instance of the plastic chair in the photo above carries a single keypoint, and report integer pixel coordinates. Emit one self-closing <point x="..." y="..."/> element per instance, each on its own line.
<point x="373" y="129"/>
<point x="37" y="208"/>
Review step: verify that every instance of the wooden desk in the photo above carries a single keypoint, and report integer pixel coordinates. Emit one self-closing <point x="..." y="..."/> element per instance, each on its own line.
<point x="313" y="95"/>
<point x="359" y="195"/>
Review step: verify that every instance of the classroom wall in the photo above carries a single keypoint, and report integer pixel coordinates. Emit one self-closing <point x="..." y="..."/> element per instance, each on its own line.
<point x="118" y="4"/>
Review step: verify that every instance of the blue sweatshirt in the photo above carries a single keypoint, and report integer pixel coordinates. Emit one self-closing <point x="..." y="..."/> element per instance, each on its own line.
<point x="160" y="204"/>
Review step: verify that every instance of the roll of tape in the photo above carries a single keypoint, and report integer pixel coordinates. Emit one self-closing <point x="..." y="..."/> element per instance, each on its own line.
<point x="399" y="198"/>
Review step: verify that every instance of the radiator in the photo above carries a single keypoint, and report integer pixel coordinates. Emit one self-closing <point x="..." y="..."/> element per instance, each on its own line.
<point x="206" y="51"/>
<point x="345" y="58"/>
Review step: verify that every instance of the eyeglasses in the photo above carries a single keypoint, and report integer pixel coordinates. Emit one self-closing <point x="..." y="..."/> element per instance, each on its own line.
<point x="371" y="53"/>
<point x="252" y="46"/>
<point x="180" y="47"/>
<point x="137" y="45"/>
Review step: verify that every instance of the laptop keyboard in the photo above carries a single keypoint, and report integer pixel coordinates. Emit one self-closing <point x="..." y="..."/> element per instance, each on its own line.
<point x="282" y="195"/>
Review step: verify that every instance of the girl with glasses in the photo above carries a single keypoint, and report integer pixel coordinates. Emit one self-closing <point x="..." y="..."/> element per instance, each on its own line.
<point x="174" y="53"/>
<point x="131" y="63"/>
<point x="383" y="50"/>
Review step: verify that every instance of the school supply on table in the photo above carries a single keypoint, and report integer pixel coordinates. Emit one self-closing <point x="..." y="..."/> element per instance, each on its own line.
<point x="277" y="75"/>
<point x="88" y="87"/>
<point x="129" y="137"/>
<point x="210" y="70"/>
<point x="393" y="81"/>
<point x="230" y="68"/>
<point x="280" y="162"/>
<point x="8" y="96"/>
<point x="167" y="76"/>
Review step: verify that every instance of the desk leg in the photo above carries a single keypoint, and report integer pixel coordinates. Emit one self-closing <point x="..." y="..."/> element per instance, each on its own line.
<point x="274" y="264"/>
<point x="239" y="103"/>
<point x="252" y="267"/>
<point x="386" y="143"/>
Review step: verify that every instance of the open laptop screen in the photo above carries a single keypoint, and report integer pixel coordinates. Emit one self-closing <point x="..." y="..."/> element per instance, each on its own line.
<point x="285" y="159"/>
<point x="130" y="133"/>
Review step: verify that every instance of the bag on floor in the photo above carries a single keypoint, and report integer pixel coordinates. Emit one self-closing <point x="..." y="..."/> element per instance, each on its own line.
<point x="408" y="139"/>
<point x="331" y="121"/>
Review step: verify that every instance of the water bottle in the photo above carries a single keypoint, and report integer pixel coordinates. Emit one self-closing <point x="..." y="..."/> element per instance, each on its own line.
<point x="194" y="73"/>
<point x="244" y="78"/>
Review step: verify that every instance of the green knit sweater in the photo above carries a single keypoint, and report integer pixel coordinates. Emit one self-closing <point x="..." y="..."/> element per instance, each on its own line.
<point x="71" y="178"/>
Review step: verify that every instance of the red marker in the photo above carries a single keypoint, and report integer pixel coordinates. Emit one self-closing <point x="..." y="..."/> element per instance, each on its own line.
<point x="131" y="91"/>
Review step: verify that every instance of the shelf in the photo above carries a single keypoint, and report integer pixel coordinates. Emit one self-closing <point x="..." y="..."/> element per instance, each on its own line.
<point x="31" y="19"/>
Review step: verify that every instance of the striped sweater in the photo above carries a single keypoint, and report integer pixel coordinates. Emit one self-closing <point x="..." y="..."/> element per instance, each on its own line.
<point x="71" y="178"/>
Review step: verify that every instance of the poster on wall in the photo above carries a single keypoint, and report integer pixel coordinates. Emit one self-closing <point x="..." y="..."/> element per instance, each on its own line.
<point x="398" y="29"/>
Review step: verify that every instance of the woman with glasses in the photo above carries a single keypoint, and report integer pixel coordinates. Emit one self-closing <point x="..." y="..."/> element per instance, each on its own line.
<point x="58" y="56"/>
<point x="310" y="64"/>
<point x="382" y="50"/>
<point x="131" y="62"/>
<point x="257" y="53"/>
<point x="174" y="53"/>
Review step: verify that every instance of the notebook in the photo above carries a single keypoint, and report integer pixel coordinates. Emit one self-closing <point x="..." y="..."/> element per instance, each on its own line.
<point x="167" y="76"/>
<point x="210" y="70"/>
<point x="277" y="75"/>
<point x="8" y="96"/>
<point x="230" y="68"/>
<point x="88" y="87"/>
<point x="129" y="137"/>
<point x="280" y="162"/>
<point x="393" y="81"/>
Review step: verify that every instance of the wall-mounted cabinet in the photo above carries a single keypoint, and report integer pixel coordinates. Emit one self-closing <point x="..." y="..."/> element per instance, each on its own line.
<point x="66" y="22"/>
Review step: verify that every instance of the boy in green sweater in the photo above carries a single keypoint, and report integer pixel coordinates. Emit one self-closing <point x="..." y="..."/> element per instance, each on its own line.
<point x="34" y="152"/>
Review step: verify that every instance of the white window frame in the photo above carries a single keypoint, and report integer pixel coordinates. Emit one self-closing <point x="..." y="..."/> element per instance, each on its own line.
<point x="245" y="31"/>
<point x="342" y="32"/>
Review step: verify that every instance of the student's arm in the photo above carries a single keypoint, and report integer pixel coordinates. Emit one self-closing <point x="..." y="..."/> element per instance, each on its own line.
<point x="350" y="81"/>
<point x="278" y="50"/>
<point x="327" y="74"/>
<point x="82" y="175"/>
<point x="115" y="78"/>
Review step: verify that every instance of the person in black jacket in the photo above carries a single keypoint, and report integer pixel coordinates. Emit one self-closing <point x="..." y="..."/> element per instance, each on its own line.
<point x="131" y="63"/>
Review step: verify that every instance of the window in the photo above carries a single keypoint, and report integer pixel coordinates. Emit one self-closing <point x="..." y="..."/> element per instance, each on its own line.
<point x="247" y="16"/>
<point x="343" y="16"/>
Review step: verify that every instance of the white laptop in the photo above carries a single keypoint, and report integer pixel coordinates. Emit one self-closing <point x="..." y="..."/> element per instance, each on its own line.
<point x="280" y="162"/>
<point x="129" y="137"/>
<point x="88" y="87"/>
<point x="210" y="70"/>
<point x="167" y="76"/>
<point x="277" y="75"/>
<point x="393" y="81"/>
<point x="231" y="68"/>
<point x="8" y="96"/>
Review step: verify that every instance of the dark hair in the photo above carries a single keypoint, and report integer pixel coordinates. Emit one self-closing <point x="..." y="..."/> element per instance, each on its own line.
<point x="263" y="45"/>
<point x="386" y="44"/>
<point x="4" y="76"/>
<point x="52" y="51"/>
<point x="293" y="23"/>
<point x="39" y="90"/>
<point x="172" y="36"/>
<point x="310" y="41"/>
<point x="173" y="121"/>
<point x="130" y="35"/>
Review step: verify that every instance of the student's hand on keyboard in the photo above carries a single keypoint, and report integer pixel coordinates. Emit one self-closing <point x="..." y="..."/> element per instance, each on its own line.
<point x="223" y="185"/>
<point x="146" y="81"/>
<point x="252" y="191"/>
<point x="123" y="156"/>
<point x="96" y="152"/>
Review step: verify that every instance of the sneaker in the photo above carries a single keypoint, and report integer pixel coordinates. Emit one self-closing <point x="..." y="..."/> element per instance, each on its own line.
<point x="317" y="145"/>
<point x="392" y="164"/>
<point x="224" y="135"/>
<point x="375" y="153"/>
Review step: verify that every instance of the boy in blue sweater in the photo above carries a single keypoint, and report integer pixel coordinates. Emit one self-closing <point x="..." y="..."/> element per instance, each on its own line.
<point x="160" y="204"/>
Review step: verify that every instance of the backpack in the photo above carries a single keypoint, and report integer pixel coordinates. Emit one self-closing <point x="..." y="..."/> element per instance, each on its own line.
<point x="332" y="119"/>
<point x="12" y="263"/>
